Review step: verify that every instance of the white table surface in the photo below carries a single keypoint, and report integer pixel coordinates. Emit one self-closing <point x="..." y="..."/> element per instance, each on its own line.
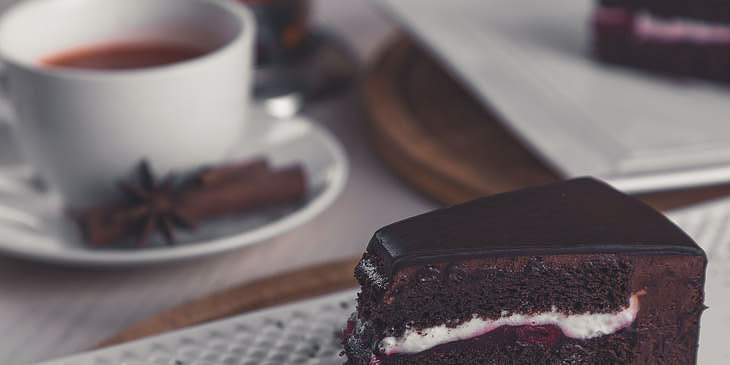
<point x="46" y="311"/>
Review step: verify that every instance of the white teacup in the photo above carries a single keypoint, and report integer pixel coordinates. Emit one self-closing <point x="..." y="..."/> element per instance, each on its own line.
<point x="84" y="130"/>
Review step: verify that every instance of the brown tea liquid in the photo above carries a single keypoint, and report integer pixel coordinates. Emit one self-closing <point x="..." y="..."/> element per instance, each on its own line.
<point x="123" y="55"/>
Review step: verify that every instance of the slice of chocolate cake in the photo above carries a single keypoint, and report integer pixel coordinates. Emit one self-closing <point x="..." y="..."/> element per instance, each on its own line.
<point x="686" y="38"/>
<point x="568" y="273"/>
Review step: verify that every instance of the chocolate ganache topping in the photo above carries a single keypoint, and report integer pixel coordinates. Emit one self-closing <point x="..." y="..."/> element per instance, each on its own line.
<point x="582" y="215"/>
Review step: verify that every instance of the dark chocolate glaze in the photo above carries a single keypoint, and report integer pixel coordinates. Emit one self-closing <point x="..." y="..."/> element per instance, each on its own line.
<point x="579" y="216"/>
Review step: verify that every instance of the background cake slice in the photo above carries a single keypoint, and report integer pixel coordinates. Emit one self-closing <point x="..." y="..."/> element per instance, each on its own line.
<point x="567" y="273"/>
<point x="686" y="38"/>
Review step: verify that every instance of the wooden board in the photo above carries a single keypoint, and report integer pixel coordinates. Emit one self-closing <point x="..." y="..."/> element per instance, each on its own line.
<point x="435" y="135"/>
<point x="301" y="284"/>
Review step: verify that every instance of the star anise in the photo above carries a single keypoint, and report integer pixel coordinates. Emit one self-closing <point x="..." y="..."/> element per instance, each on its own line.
<point x="153" y="206"/>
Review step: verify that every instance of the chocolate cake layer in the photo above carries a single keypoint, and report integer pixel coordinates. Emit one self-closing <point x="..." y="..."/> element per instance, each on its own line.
<point x="579" y="216"/>
<point x="708" y="10"/>
<point x="618" y="39"/>
<point x="489" y="286"/>
<point x="666" y="327"/>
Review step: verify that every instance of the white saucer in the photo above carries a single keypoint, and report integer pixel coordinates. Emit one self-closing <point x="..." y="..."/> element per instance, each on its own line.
<point x="33" y="226"/>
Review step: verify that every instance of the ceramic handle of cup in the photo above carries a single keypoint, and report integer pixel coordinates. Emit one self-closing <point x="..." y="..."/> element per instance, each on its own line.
<point x="16" y="181"/>
<point x="14" y="178"/>
<point x="6" y="112"/>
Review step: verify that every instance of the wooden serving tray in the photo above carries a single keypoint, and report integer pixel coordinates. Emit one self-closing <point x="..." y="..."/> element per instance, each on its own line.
<point x="435" y="135"/>
<point x="292" y="286"/>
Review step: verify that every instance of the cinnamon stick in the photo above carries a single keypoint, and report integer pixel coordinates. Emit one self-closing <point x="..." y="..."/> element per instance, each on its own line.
<point x="244" y="194"/>
<point x="98" y="227"/>
<point x="217" y="191"/>
<point x="222" y="174"/>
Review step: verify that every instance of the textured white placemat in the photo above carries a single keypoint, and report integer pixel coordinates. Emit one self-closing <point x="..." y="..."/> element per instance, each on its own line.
<point x="308" y="332"/>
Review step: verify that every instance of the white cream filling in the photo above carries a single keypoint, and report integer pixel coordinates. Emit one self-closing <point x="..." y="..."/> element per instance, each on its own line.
<point x="649" y="27"/>
<point x="579" y="326"/>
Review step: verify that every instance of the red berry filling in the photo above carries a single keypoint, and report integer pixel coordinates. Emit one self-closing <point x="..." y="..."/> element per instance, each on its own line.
<point x="538" y="335"/>
<point x="350" y="329"/>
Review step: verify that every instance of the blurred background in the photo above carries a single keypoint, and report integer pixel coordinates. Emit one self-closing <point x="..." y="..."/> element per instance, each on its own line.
<point x="389" y="109"/>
